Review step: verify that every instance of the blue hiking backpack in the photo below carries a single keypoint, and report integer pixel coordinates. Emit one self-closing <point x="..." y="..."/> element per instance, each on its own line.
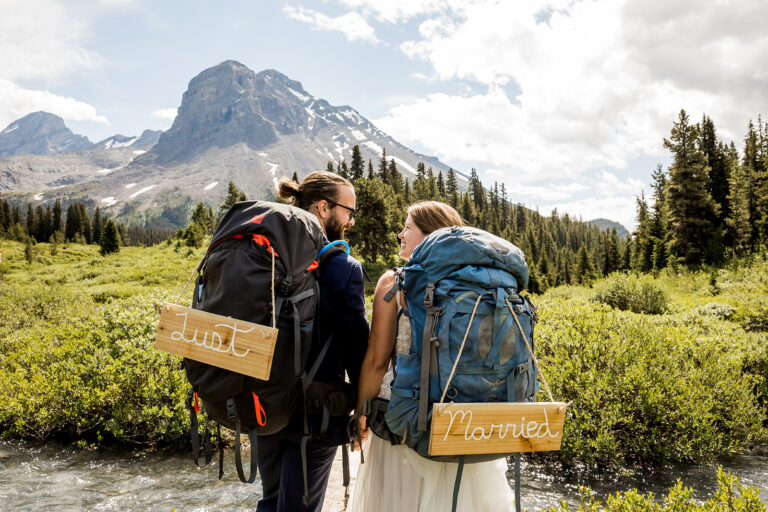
<point x="459" y="286"/>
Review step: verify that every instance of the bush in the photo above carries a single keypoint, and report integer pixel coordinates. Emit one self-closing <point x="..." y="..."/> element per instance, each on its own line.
<point x="651" y="389"/>
<point x="729" y="495"/>
<point x="631" y="293"/>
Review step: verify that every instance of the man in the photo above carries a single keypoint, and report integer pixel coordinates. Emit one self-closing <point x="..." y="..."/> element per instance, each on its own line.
<point x="341" y="314"/>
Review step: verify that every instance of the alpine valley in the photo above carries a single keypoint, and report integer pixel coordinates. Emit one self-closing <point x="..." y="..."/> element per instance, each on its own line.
<point x="232" y="125"/>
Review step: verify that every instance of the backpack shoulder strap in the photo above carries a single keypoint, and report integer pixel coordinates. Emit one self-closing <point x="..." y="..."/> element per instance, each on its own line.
<point x="331" y="249"/>
<point x="395" y="287"/>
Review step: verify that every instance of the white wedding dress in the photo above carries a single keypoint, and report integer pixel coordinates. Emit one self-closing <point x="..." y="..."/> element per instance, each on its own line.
<point x="397" y="479"/>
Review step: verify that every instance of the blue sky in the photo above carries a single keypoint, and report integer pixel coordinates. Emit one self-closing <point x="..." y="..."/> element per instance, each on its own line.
<point x="565" y="101"/>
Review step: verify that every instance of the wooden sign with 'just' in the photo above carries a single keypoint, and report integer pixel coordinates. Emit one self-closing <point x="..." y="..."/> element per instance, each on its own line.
<point x="221" y="341"/>
<point x="479" y="428"/>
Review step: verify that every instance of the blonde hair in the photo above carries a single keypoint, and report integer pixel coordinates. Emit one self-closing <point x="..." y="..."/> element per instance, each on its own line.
<point x="314" y="187"/>
<point x="433" y="215"/>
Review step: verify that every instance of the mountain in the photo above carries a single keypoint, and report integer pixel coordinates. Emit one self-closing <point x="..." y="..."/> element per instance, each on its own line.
<point x="232" y="125"/>
<point x="147" y="139"/>
<point x="40" y="133"/>
<point x="608" y="225"/>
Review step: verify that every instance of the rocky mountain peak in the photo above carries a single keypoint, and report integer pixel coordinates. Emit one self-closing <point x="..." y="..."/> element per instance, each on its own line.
<point x="40" y="133"/>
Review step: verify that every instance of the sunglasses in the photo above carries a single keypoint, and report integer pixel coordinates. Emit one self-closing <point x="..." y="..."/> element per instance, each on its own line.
<point x="352" y="211"/>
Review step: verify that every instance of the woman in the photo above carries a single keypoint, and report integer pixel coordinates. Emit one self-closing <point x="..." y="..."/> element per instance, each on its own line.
<point x="394" y="477"/>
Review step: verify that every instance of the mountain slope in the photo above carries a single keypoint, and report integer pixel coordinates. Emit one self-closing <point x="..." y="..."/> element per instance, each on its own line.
<point x="40" y="133"/>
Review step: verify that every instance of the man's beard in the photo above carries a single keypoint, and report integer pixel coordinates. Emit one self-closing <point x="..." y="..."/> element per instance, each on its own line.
<point x="334" y="229"/>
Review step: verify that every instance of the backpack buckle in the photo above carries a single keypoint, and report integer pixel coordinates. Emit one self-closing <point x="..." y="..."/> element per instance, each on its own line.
<point x="429" y="296"/>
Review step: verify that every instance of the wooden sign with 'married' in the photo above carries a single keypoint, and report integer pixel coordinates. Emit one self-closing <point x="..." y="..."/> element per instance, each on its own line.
<point x="221" y="341"/>
<point x="479" y="428"/>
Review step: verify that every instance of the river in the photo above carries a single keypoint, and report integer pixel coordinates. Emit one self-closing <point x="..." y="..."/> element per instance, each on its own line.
<point x="51" y="477"/>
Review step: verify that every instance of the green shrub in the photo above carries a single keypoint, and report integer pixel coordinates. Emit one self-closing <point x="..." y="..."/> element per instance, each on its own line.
<point x="729" y="495"/>
<point x="650" y="388"/>
<point x="632" y="293"/>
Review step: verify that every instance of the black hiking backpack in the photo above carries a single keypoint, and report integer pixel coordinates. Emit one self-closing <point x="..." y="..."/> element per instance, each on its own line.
<point x="260" y="267"/>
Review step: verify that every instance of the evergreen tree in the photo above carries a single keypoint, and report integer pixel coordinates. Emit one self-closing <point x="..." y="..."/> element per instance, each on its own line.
<point x="373" y="233"/>
<point x="718" y="170"/>
<point x="344" y="170"/>
<point x="441" y="184"/>
<point x="395" y="179"/>
<point x="691" y="210"/>
<point x="85" y="223"/>
<point x="31" y="221"/>
<point x="110" y="239"/>
<point x="451" y="189"/>
<point x="97" y="225"/>
<point x="58" y="224"/>
<point x="234" y="195"/>
<point x="383" y="164"/>
<point x="329" y="167"/>
<point x="738" y="221"/>
<point x="295" y="177"/>
<point x="358" y="165"/>
<point x="585" y="270"/>
<point x="420" y="185"/>
<point x="370" y="170"/>
<point x="72" y="227"/>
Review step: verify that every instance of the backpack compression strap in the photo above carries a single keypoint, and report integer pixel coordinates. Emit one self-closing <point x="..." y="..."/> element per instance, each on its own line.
<point x="428" y="354"/>
<point x="232" y="415"/>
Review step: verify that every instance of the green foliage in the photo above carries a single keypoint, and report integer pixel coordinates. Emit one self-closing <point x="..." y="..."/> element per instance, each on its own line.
<point x="76" y="355"/>
<point x="110" y="239"/>
<point x="730" y="495"/>
<point x="628" y="292"/>
<point x="650" y="388"/>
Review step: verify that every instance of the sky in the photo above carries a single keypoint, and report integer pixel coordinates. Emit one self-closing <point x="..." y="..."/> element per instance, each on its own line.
<point x="566" y="102"/>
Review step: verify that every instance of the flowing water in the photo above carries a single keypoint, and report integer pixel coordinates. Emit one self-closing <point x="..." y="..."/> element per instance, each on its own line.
<point x="58" y="478"/>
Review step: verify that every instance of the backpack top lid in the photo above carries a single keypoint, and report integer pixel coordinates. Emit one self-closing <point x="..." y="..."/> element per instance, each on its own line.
<point x="295" y="234"/>
<point x="447" y="250"/>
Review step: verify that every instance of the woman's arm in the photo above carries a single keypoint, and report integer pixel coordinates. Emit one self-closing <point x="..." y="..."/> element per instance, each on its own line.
<point x="381" y="342"/>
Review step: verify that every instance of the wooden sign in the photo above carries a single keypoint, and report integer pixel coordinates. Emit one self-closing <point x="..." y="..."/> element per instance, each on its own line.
<point x="221" y="341"/>
<point x="511" y="427"/>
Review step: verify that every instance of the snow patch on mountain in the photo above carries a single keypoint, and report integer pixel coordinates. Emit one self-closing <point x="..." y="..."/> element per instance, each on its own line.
<point x="38" y="197"/>
<point x="211" y="185"/>
<point x="358" y="134"/>
<point x="139" y="152"/>
<point x="130" y="185"/>
<point x="299" y="95"/>
<point x="273" y="172"/>
<point x="104" y="171"/>
<point x="9" y="129"/>
<point x="109" y="201"/>
<point x="372" y="145"/>
<point x="145" y="189"/>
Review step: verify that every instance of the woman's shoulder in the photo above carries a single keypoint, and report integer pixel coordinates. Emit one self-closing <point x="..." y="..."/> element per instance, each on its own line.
<point x="386" y="281"/>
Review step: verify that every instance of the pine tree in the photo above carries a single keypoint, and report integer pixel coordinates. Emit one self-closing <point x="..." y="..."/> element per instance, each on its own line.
<point x="110" y="239"/>
<point x="451" y="189"/>
<point x="691" y="210"/>
<point x="329" y="167"/>
<point x="373" y="233"/>
<point x="295" y="177"/>
<point x="395" y="178"/>
<point x="344" y="170"/>
<point x="58" y="224"/>
<point x="358" y="165"/>
<point x="383" y="164"/>
<point x="234" y="195"/>
<point x="718" y="170"/>
<point x="85" y="223"/>
<point x="31" y="221"/>
<point x="584" y="269"/>
<point x="738" y="221"/>
<point x="370" y="170"/>
<point x="72" y="227"/>
<point x="97" y="225"/>
<point x="441" y="184"/>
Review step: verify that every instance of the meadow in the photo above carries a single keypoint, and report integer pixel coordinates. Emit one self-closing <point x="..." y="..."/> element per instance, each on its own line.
<point x="687" y="383"/>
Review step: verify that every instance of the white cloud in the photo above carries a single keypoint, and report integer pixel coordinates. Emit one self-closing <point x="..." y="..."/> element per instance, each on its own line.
<point x="352" y="25"/>
<point x="166" y="113"/>
<point x="16" y="102"/>
<point x="42" y="39"/>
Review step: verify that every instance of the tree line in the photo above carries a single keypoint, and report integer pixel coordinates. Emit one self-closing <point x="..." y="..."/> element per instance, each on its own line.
<point x="53" y="224"/>
<point x="710" y="205"/>
<point x="559" y="249"/>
